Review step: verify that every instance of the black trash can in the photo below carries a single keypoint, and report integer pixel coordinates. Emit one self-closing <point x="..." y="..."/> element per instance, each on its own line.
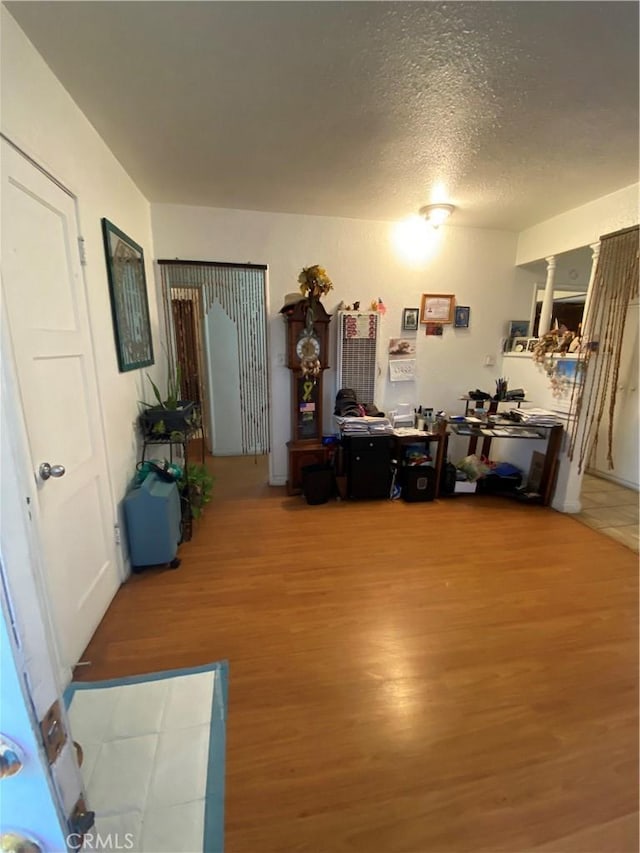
<point x="318" y="484"/>
<point x="418" y="483"/>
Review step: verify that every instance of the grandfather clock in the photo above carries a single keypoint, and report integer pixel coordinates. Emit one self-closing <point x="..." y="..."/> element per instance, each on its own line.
<point x="307" y="349"/>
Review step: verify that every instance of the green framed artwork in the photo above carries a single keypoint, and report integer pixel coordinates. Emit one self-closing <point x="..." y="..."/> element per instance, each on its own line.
<point x="129" y="303"/>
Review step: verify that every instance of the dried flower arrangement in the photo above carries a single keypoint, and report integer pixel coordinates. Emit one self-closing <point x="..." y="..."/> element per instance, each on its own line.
<point x="314" y="282"/>
<point x="556" y="342"/>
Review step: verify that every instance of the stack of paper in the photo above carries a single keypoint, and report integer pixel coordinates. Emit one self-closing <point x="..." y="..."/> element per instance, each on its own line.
<point x="537" y="417"/>
<point x="364" y="426"/>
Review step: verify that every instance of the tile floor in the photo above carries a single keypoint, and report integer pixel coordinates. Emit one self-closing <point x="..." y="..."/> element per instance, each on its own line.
<point x="611" y="509"/>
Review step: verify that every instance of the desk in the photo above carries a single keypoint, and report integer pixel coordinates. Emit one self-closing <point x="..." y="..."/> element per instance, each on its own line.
<point x="439" y="438"/>
<point x="368" y="460"/>
<point x="522" y="431"/>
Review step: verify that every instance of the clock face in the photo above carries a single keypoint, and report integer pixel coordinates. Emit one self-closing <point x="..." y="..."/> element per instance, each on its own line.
<point x="308" y="347"/>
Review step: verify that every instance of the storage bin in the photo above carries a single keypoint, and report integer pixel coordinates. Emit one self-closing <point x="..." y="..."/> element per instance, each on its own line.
<point x="418" y="483"/>
<point x="318" y="483"/>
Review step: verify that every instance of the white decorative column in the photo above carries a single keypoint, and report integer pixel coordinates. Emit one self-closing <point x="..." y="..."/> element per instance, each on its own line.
<point x="569" y="481"/>
<point x="595" y="254"/>
<point x="547" y="303"/>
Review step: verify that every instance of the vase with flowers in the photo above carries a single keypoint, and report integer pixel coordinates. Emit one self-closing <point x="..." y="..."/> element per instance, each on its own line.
<point x="314" y="282"/>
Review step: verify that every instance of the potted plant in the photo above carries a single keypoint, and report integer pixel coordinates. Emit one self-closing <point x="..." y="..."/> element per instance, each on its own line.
<point x="169" y="416"/>
<point x="196" y="486"/>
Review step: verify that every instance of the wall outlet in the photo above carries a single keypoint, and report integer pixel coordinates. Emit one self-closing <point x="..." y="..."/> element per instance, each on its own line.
<point x="280" y="359"/>
<point x="489" y="361"/>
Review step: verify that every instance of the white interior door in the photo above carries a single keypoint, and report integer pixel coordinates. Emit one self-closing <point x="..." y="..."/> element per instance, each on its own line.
<point x="626" y="434"/>
<point x="47" y="316"/>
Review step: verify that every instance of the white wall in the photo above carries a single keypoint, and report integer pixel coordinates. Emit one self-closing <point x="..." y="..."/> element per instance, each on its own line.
<point x="39" y="116"/>
<point x="626" y="438"/>
<point x="224" y="382"/>
<point x="580" y="226"/>
<point x="476" y="265"/>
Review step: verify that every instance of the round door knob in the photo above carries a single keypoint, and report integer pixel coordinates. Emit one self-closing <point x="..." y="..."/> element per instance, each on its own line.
<point x="16" y="842"/>
<point x="11" y="757"/>
<point x="46" y="470"/>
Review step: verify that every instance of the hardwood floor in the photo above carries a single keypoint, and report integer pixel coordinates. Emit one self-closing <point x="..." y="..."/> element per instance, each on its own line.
<point x="455" y="676"/>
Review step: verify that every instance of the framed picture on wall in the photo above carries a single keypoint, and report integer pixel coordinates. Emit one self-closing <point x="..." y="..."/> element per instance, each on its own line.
<point x="518" y="329"/>
<point x="437" y="308"/>
<point x="461" y="320"/>
<point x="410" y="319"/>
<point x="129" y="303"/>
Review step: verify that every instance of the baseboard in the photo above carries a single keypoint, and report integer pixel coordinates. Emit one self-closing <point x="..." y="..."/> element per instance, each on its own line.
<point x="278" y="480"/>
<point x="570" y="507"/>
<point x="620" y="481"/>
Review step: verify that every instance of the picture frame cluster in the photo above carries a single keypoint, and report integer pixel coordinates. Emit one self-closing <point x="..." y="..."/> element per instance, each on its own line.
<point x="436" y="310"/>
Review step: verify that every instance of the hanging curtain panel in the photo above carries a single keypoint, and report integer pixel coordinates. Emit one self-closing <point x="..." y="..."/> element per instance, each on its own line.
<point x="596" y="389"/>
<point x="229" y="301"/>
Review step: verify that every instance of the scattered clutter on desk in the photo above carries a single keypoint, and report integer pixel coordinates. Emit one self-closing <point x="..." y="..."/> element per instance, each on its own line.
<point x="479" y="395"/>
<point x="416" y="454"/>
<point x="347" y="405"/>
<point x="501" y="389"/>
<point x="479" y="474"/>
<point x="537" y="417"/>
<point x="473" y="467"/>
<point x="364" y="425"/>
<point x="517" y="394"/>
<point x="402" y="416"/>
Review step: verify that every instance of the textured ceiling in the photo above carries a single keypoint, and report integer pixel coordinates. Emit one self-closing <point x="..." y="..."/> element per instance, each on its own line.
<point x="521" y="110"/>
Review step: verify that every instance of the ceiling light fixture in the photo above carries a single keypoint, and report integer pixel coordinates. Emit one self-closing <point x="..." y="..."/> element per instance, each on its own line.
<point x="436" y="214"/>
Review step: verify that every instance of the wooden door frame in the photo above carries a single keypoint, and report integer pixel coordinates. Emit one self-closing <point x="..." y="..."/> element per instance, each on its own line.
<point x="274" y="479"/>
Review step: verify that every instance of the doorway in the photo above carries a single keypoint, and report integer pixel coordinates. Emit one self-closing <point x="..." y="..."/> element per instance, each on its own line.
<point x="217" y="317"/>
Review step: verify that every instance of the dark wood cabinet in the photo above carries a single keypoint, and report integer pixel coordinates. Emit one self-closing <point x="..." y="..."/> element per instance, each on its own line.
<point x="368" y="465"/>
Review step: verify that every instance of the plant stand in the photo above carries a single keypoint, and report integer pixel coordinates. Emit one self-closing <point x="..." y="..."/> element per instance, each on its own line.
<point x="151" y="440"/>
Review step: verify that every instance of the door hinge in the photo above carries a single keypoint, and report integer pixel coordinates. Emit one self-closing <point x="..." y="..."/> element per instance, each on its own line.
<point x="82" y="252"/>
<point x="54" y="735"/>
<point x="80" y="822"/>
<point x="116" y="533"/>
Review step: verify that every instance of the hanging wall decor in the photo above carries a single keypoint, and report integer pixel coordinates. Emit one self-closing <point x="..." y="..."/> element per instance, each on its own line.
<point x="437" y="308"/>
<point x="462" y="317"/>
<point x="128" y="292"/>
<point x="433" y="329"/>
<point x="410" y="319"/>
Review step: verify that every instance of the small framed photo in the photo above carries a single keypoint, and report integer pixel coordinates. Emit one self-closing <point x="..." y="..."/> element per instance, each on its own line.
<point x="433" y="329"/>
<point x="437" y="308"/>
<point x="129" y="304"/>
<point x="518" y="329"/>
<point x="461" y="320"/>
<point x="519" y="344"/>
<point x="410" y="319"/>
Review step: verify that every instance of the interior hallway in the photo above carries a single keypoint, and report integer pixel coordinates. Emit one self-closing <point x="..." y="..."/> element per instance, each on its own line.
<point x="455" y="676"/>
<point x="610" y="509"/>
